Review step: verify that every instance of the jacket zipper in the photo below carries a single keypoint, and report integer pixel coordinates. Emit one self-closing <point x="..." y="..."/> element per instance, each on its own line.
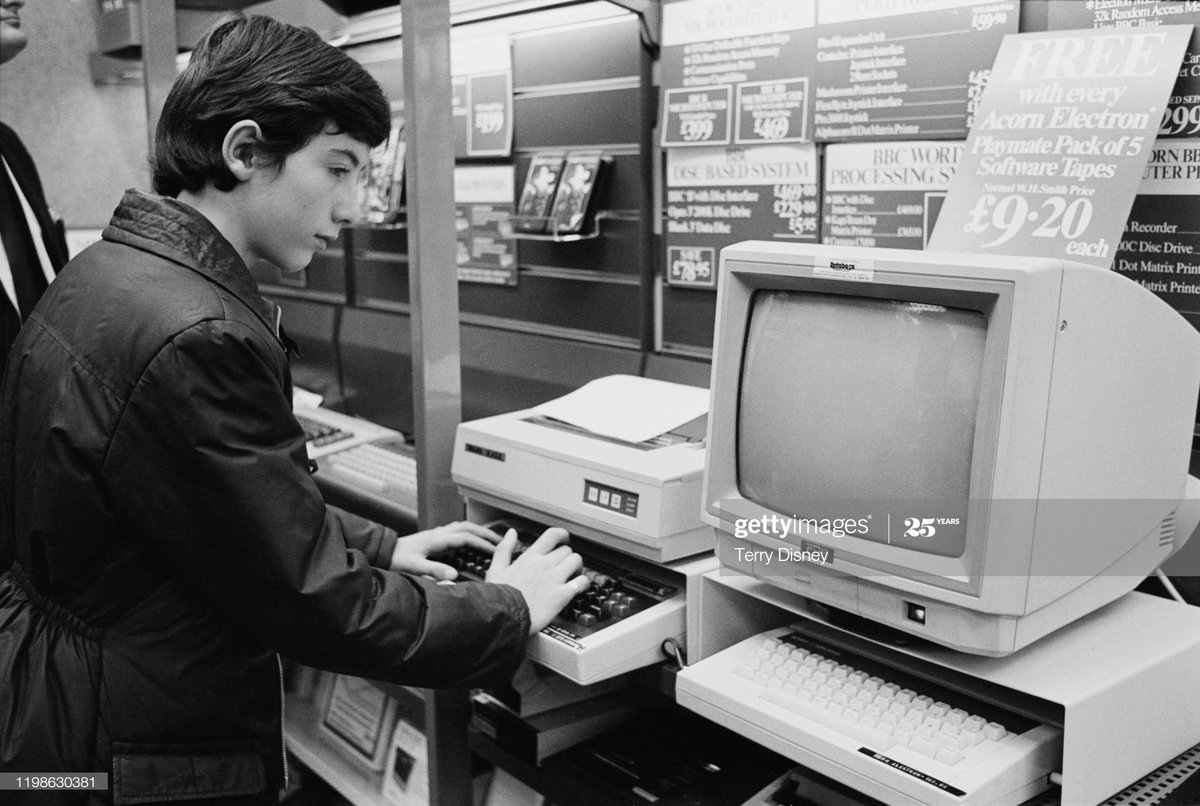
<point x="282" y="736"/>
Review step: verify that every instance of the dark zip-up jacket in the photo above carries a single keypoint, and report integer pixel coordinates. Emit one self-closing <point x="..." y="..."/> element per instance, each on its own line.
<point x="161" y="539"/>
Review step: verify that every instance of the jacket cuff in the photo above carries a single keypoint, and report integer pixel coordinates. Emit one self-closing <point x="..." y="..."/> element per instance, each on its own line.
<point x="501" y="673"/>
<point x="519" y="607"/>
<point x="386" y="548"/>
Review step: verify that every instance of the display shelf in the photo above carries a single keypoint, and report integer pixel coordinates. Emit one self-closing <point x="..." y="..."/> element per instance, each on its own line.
<point x="360" y="786"/>
<point x="507" y="229"/>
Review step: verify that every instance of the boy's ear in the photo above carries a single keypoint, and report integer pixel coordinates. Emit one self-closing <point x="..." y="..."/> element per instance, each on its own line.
<point x="238" y="148"/>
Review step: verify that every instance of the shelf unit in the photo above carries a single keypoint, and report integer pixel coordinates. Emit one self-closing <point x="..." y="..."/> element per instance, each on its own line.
<point x="355" y="783"/>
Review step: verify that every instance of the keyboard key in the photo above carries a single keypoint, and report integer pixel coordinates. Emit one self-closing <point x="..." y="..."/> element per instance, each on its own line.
<point x="923" y="745"/>
<point x="950" y="740"/>
<point x="876" y="739"/>
<point x="360" y="477"/>
<point x="974" y="737"/>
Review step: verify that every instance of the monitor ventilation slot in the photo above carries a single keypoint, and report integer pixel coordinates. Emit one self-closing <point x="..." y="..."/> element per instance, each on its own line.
<point x="1166" y="535"/>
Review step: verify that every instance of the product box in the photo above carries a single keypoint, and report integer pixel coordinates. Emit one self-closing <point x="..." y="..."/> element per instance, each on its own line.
<point x="533" y="208"/>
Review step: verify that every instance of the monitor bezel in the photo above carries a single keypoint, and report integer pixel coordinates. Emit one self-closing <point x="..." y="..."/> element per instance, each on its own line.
<point x="950" y="286"/>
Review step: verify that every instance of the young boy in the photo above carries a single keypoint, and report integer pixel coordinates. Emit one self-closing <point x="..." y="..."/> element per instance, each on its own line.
<point x="161" y="535"/>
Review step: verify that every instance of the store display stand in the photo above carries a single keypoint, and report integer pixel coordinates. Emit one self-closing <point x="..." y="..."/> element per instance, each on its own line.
<point x="1131" y="668"/>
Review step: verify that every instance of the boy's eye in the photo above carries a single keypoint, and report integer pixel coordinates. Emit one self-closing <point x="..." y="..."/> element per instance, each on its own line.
<point x="339" y="171"/>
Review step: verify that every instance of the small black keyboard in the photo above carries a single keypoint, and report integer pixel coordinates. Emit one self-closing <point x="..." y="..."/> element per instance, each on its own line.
<point x="617" y="591"/>
<point x="319" y="434"/>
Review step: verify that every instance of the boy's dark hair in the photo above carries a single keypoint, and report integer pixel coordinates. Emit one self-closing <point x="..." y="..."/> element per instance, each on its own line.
<point x="281" y="76"/>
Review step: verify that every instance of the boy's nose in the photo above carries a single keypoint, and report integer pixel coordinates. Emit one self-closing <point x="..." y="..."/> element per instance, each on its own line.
<point x="345" y="210"/>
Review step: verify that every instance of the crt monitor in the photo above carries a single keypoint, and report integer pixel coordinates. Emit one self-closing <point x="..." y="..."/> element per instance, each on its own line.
<point x="973" y="449"/>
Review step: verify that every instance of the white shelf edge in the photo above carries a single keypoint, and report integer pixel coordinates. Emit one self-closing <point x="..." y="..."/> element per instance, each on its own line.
<point x="356" y="783"/>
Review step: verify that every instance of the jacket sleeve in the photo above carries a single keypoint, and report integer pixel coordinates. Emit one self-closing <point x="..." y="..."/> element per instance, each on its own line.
<point x="226" y="500"/>
<point x="376" y="542"/>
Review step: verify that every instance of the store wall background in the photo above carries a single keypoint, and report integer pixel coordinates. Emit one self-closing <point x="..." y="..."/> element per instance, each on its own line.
<point x="90" y="141"/>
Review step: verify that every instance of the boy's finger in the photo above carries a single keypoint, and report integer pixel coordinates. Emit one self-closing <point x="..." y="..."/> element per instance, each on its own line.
<point x="439" y="571"/>
<point x="558" y="554"/>
<point x="476" y="542"/>
<point x="570" y="564"/>
<point x="479" y="531"/>
<point x="502" y="557"/>
<point x="549" y="539"/>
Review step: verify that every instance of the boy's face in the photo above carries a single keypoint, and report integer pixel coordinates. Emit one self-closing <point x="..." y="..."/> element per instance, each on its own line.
<point x="12" y="38"/>
<point x="292" y="214"/>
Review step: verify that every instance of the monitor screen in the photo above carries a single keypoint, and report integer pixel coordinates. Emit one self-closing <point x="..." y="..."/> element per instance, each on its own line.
<point x="856" y="407"/>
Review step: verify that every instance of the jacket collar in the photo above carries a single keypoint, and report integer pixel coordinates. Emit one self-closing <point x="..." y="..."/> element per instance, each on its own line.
<point x="176" y="232"/>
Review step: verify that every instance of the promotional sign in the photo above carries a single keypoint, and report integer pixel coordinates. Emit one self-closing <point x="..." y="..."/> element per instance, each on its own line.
<point x="482" y="103"/>
<point x="1161" y="246"/>
<point x="1061" y="139"/>
<point x="885" y="194"/>
<point x="483" y="203"/>
<point x="888" y="70"/>
<point x="1182" y="115"/>
<point x="735" y="71"/>
<point x="716" y="196"/>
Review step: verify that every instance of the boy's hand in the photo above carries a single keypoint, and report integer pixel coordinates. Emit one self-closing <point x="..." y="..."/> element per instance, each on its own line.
<point x="412" y="553"/>
<point x="546" y="574"/>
